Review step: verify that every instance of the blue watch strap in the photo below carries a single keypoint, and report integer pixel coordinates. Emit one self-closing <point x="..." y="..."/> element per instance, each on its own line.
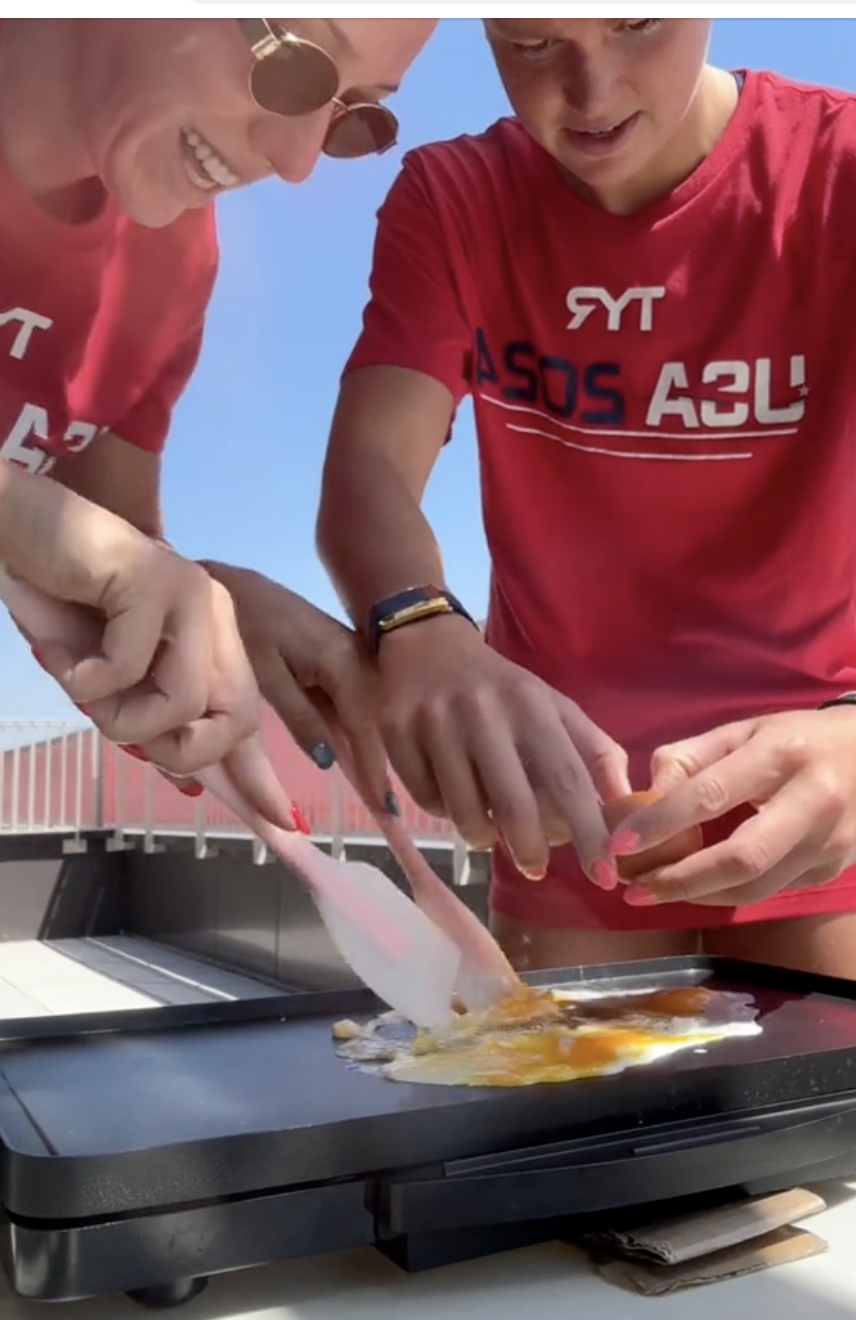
<point x="411" y="606"/>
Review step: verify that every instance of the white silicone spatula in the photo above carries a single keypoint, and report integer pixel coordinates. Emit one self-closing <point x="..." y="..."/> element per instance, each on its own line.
<point x="485" y="976"/>
<point x="389" y="942"/>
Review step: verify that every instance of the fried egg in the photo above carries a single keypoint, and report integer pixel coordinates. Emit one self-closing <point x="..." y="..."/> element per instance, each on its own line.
<point x="551" y="1035"/>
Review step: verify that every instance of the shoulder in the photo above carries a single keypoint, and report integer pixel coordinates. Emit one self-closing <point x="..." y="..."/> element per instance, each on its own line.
<point x="791" y="100"/>
<point x="796" y="164"/>
<point x="505" y="143"/>
<point x="803" y="126"/>
<point x="458" y="196"/>
<point x="473" y="171"/>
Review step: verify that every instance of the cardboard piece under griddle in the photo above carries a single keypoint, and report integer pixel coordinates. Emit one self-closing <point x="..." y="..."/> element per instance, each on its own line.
<point x="781" y="1247"/>
<point x="684" y="1238"/>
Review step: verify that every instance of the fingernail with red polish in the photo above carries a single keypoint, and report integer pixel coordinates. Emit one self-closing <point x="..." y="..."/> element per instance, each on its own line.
<point x="300" y="820"/>
<point x="641" y="898"/>
<point x="191" y="790"/>
<point x="625" y="842"/>
<point x="533" y="872"/>
<point x="605" y="875"/>
<point x="133" y="750"/>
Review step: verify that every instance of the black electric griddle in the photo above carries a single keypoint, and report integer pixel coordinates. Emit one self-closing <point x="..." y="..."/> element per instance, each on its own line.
<point x="143" y="1151"/>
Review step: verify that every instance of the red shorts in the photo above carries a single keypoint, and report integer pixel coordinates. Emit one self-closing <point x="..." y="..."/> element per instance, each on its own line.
<point x="567" y="900"/>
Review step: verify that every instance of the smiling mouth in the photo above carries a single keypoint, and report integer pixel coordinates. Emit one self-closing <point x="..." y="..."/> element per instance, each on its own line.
<point x="203" y="166"/>
<point x="604" y="139"/>
<point x="598" y="134"/>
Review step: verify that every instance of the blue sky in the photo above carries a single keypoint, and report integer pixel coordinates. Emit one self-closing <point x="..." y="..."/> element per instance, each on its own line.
<point x="244" y="461"/>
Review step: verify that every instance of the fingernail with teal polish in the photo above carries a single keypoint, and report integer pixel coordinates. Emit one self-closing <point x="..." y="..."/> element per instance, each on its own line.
<point x="390" y="801"/>
<point x="323" y="756"/>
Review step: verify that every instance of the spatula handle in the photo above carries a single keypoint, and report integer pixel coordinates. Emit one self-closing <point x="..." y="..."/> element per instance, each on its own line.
<point x="491" y="975"/>
<point x="292" y="848"/>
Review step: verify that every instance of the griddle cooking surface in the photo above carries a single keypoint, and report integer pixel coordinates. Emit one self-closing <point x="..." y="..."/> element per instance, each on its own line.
<point x="145" y="1118"/>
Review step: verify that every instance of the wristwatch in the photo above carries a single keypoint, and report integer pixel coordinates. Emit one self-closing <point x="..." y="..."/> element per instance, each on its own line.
<point x="846" y="699"/>
<point x="411" y="606"/>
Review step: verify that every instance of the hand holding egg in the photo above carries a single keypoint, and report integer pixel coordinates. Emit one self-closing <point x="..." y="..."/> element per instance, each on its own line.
<point x="632" y="865"/>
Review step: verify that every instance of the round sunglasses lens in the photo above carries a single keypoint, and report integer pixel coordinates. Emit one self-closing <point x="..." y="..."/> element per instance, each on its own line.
<point x="362" y="130"/>
<point x="297" y="80"/>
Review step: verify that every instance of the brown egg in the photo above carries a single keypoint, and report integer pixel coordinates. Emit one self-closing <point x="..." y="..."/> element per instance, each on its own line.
<point x="685" y="843"/>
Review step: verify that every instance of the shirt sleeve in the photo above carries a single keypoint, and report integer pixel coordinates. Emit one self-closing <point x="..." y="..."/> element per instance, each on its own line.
<point x="414" y="318"/>
<point x="147" y="424"/>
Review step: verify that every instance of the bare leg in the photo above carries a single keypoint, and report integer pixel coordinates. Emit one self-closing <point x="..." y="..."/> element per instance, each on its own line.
<point x="826" y="945"/>
<point x="535" y="948"/>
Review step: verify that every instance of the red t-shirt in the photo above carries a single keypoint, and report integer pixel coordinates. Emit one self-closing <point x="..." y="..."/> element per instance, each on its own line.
<point x="665" y="406"/>
<point x="100" y="325"/>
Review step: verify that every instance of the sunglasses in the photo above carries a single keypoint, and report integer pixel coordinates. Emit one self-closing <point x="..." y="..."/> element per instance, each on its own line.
<point x="292" y="76"/>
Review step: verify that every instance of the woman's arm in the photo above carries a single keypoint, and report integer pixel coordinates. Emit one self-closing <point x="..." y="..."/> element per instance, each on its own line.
<point x="472" y="735"/>
<point x="373" y="537"/>
<point x="119" y="477"/>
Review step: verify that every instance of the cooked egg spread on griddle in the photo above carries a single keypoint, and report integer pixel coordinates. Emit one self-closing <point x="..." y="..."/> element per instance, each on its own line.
<point x="550" y="1035"/>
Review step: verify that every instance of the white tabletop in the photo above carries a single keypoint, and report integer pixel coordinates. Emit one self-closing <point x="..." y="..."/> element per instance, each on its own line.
<point x="551" y="1282"/>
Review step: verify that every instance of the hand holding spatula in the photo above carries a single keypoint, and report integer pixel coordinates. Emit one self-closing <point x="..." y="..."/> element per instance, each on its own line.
<point x="411" y="961"/>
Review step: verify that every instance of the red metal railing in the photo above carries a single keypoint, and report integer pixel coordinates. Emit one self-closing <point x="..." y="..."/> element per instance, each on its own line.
<point x="64" y="777"/>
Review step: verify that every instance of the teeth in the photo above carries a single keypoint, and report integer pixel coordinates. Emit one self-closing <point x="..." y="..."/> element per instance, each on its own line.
<point x="213" y="172"/>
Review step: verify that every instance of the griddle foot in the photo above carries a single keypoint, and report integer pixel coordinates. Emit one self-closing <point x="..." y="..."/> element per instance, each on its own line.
<point x="165" y="1295"/>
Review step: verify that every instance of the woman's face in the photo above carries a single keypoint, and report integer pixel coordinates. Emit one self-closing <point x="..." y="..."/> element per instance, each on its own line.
<point x="605" y="96"/>
<point x="169" y="119"/>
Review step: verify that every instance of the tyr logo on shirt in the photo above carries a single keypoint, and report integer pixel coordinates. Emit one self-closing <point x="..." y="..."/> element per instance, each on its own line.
<point x="584" y="299"/>
<point x="27" y="322"/>
<point x="33" y="422"/>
